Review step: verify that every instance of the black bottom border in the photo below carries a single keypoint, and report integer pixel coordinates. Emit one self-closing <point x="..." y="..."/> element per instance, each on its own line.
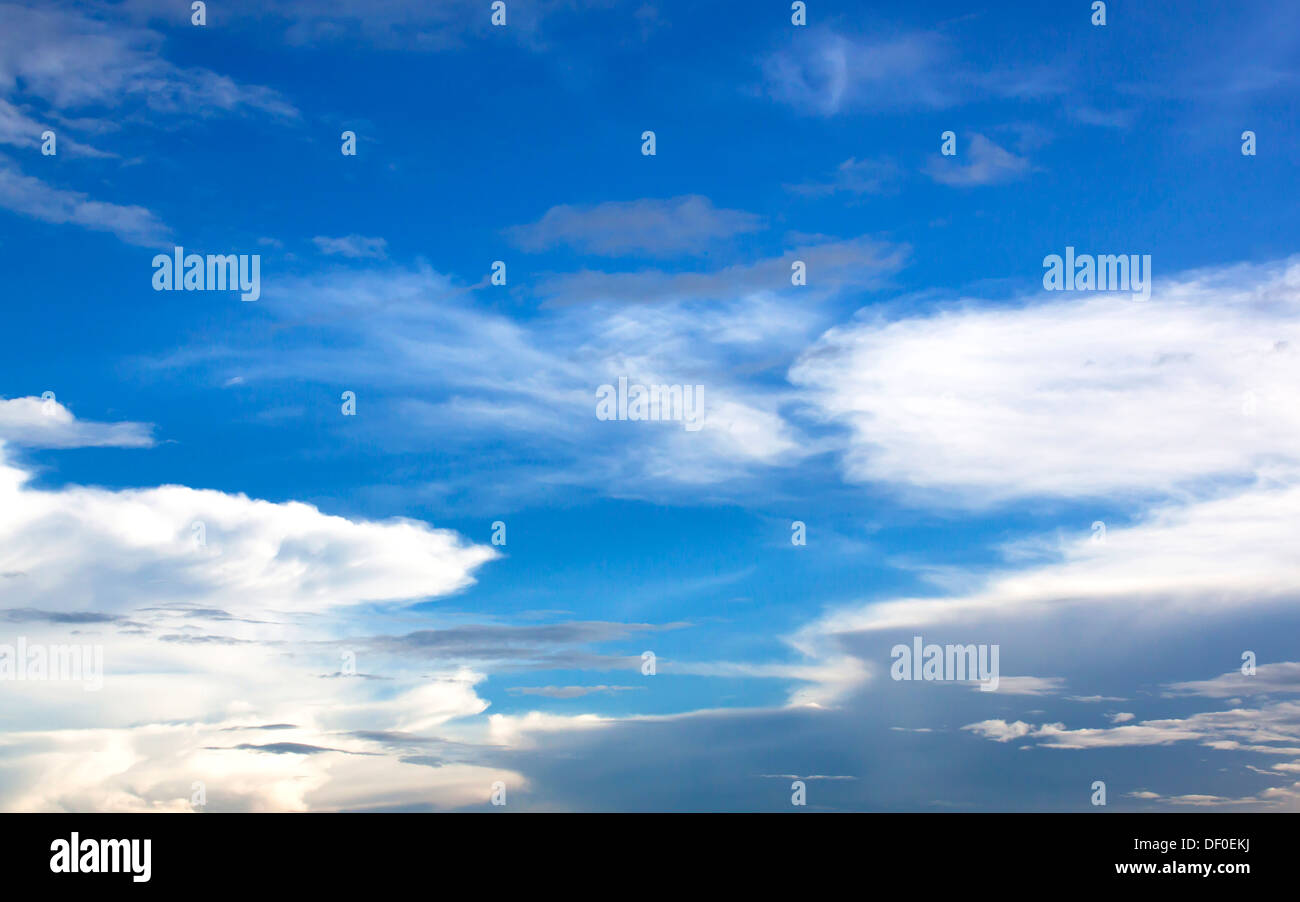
<point x="658" y="852"/>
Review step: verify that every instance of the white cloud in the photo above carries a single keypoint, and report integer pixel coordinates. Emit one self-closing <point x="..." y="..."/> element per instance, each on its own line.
<point x="32" y="197"/>
<point x="94" y="549"/>
<point x="1280" y="677"/>
<point x="45" y="423"/>
<point x="1270" y="729"/>
<point x="1000" y="730"/>
<point x="307" y="766"/>
<point x="458" y="362"/>
<point x="979" y="162"/>
<point x="69" y="69"/>
<point x="70" y="60"/>
<point x="1282" y="797"/>
<point x="198" y="639"/>
<point x="1225" y="554"/>
<point x="22" y="130"/>
<point x="854" y="176"/>
<point x="1028" y="685"/>
<point x="824" y="73"/>
<point x="1104" y="397"/>
<point x="1089" y="395"/>
<point x="427" y="27"/>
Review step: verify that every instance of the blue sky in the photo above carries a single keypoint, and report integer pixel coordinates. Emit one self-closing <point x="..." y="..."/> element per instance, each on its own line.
<point x="947" y="431"/>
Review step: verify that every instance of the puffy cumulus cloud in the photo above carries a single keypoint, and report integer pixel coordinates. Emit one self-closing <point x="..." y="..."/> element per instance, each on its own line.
<point x="1089" y="394"/>
<point x="1272" y="729"/>
<point x="155" y="767"/>
<point x="1000" y="730"/>
<point x="1055" y="735"/>
<point x="220" y="663"/>
<point x="1268" y="730"/>
<point x="1182" y="395"/>
<point x="1175" y="406"/>
<point x="45" y="423"/>
<point x="85" y="548"/>
<point x="255" y="723"/>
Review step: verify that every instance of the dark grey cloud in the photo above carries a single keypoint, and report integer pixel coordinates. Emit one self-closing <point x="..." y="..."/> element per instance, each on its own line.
<point x="205" y="640"/>
<point x="541" y="646"/>
<point x="285" y="748"/>
<point x="32" y="615"/>
<point x="687" y="225"/>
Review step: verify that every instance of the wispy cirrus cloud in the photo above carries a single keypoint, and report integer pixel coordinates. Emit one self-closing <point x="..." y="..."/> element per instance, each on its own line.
<point x="31" y="197"/>
<point x="355" y="247"/>
<point x="72" y="60"/>
<point x="826" y="73"/>
<point x="461" y="361"/>
<point x="981" y="163"/>
<point x="84" y="74"/>
<point x="388" y="24"/>
<point x="854" y="176"/>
